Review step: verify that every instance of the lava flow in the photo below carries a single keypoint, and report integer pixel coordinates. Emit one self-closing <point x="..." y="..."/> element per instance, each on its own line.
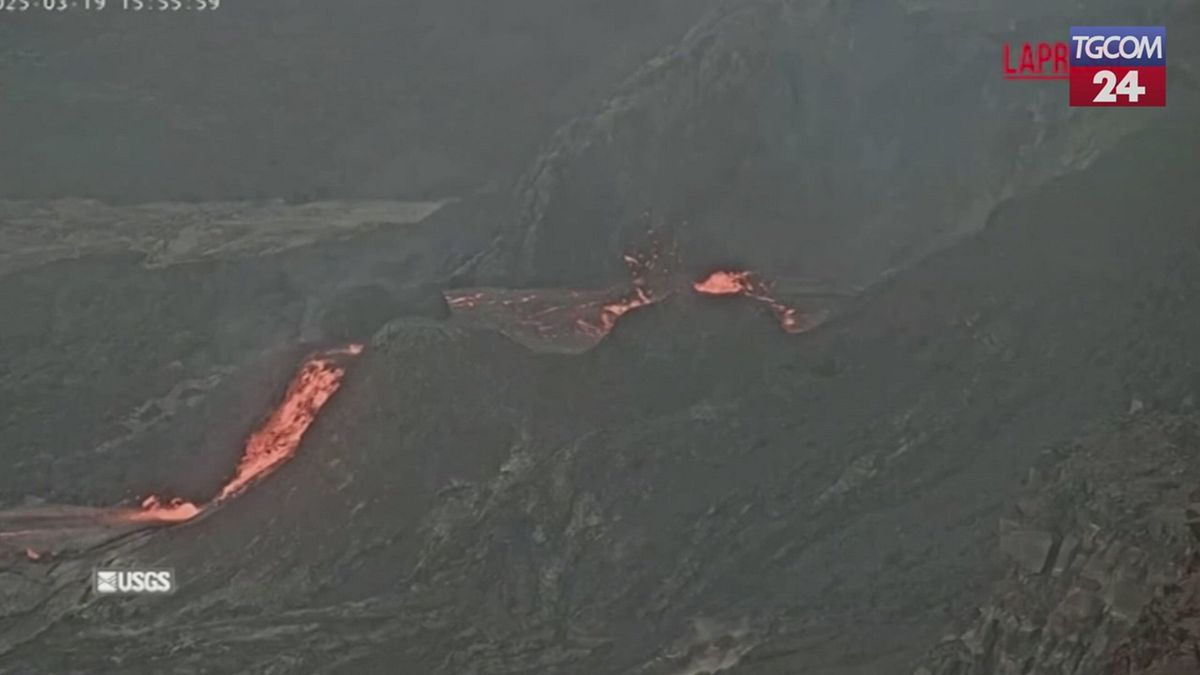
<point x="746" y="284"/>
<point x="154" y="510"/>
<point x="566" y="320"/>
<point x="272" y="444"/>
<point x="640" y="296"/>
<point x="277" y="440"/>
<point x="574" y="320"/>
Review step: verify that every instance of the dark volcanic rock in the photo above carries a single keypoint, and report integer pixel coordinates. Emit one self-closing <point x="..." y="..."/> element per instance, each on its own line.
<point x="1118" y="596"/>
<point x="827" y="139"/>
<point x="1031" y="549"/>
<point x="689" y="495"/>
<point x="118" y="334"/>
<point x="356" y="313"/>
<point x="698" y="493"/>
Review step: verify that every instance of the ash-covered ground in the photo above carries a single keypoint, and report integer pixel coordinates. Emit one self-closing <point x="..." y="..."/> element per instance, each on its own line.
<point x="980" y="459"/>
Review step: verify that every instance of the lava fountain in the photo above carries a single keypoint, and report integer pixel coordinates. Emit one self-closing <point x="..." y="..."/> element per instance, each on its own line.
<point x="746" y="284"/>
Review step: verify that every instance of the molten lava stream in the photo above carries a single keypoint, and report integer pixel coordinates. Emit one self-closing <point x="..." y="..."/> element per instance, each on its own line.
<point x="642" y="267"/>
<point x="611" y="312"/>
<point x="153" y="510"/>
<point x="277" y="440"/>
<point x="746" y="284"/>
<point x="570" y="320"/>
<point x="272" y="444"/>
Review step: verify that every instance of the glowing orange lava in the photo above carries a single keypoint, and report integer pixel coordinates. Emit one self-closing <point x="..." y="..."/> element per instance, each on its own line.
<point x="745" y="283"/>
<point x="39" y="532"/>
<point x="272" y="444"/>
<point x="155" y="510"/>
<point x="566" y="320"/>
<point x="643" y="269"/>
<point x="725" y="282"/>
<point x="277" y="440"/>
<point x="610" y="313"/>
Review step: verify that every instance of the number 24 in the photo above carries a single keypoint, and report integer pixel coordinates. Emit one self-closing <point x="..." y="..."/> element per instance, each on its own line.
<point x="1111" y="90"/>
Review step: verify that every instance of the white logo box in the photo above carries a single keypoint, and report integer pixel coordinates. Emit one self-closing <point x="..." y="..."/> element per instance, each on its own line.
<point x="138" y="581"/>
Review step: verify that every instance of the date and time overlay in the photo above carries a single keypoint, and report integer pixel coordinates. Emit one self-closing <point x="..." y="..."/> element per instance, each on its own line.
<point x="12" y="7"/>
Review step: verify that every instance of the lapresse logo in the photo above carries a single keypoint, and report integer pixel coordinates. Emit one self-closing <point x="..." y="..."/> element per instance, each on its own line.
<point x="133" y="582"/>
<point x="1118" y="66"/>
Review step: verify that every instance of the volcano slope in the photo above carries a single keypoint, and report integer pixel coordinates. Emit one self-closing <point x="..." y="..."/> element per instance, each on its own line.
<point x="699" y="493"/>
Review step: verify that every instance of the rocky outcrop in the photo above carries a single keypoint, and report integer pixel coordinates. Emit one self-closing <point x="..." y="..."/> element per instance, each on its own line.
<point x="826" y="139"/>
<point x="1166" y="638"/>
<point x="1102" y="574"/>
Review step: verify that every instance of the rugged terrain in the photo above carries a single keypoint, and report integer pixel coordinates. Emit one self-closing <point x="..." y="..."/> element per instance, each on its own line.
<point x="983" y="463"/>
<point x="700" y="491"/>
<point x="832" y="140"/>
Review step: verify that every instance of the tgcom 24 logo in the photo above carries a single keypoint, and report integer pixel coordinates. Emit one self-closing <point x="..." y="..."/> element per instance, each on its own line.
<point x="1106" y="66"/>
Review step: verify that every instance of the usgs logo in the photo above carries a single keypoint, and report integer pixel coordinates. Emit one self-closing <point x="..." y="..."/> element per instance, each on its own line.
<point x="134" y="582"/>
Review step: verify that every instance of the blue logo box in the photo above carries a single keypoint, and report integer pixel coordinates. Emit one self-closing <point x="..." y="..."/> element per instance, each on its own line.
<point x="1118" y="46"/>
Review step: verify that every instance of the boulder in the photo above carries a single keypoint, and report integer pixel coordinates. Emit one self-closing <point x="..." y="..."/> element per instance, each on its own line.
<point x="1031" y="549"/>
